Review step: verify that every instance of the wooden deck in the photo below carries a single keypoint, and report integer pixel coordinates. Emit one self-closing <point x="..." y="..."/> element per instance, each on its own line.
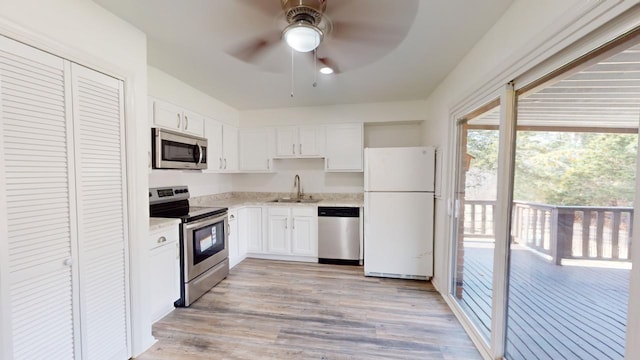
<point x="555" y="312"/>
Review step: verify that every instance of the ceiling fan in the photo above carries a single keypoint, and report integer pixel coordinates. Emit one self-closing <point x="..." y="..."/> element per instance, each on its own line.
<point x="341" y="35"/>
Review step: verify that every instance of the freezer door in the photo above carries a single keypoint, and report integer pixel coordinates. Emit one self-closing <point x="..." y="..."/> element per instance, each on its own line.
<point x="399" y="169"/>
<point x="398" y="235"/>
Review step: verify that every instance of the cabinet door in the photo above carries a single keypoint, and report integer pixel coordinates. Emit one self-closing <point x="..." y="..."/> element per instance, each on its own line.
<point x="192" y="123"/>
<point x="164" y="278"/>
<point x="286" y="141"/>
<point x="98" y="114"/>
<point x="37" y="250"/>
<point x="167" y="115"/>
<point x="254" y="147"/>
<point x="304" y="240"/>
<point x="278" y="240"/>
<point x="250" y="230"/>
<point x="213" y="133"/>
<point x="230" y="147"/>
<point x="344" y="147"/>
<point x="234" y="239"/>
<point x="310" y="141"/>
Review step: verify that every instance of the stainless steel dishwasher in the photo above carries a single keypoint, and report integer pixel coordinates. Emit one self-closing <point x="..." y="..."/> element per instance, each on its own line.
<point x="339" y="235"/>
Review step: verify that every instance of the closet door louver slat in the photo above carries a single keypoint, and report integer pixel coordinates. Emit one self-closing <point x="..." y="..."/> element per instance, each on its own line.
<point x="40" y="284"/>
<point x="98" y="119"/>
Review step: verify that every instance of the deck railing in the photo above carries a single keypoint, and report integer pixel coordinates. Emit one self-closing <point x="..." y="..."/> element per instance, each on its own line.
<point x="561" y="232"/>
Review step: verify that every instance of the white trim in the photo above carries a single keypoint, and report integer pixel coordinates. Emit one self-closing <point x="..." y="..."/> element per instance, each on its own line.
<point x="504" y="201"/>
<point x="633" y="310"/>
<point x="6" y="345"/>
<point x="468" y="326"/>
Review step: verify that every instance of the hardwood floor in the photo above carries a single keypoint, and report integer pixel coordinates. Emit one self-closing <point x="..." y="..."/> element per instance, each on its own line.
<point x="287" y="310"/>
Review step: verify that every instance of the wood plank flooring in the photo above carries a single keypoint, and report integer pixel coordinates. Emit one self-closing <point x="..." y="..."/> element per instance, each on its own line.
<point x="286" y="310"/>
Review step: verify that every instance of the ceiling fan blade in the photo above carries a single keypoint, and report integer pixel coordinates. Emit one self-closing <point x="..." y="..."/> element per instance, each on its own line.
<point x="324" y="61"/>
<point x="252" y="49"/>
<point x="329" y="63"/>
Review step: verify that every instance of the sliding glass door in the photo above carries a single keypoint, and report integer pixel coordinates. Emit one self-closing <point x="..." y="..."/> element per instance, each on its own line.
<point x="475" y="207"/>
<point x="574" y="180"/>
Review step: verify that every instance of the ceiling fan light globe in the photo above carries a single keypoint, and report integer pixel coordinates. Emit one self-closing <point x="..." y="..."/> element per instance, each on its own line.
<point x="302" y="37"/>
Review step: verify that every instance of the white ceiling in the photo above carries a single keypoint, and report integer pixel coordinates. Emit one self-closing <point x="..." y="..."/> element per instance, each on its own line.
<point x="191" y="40"/>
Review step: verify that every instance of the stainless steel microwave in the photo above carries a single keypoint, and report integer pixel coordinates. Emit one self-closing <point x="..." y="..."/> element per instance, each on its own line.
<point x="173" y="150"/>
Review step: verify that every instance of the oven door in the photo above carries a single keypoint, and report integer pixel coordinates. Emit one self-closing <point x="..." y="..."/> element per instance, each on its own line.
<point x="173" y="150"/>
<point x="205" y="244"/>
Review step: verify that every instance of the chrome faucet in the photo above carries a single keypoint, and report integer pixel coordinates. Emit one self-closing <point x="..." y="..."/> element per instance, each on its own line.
<point x="296" y="183"/>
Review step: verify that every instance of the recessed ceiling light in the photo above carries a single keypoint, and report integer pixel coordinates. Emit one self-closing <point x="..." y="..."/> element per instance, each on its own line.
<point x="326" y="70"/>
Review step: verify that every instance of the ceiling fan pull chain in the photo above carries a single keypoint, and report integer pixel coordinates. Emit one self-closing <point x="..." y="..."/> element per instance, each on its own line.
<point x="315" y="67"/>
<point x="291" y="72"/>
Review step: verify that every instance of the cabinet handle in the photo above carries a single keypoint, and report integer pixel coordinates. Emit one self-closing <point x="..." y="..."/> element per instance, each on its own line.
<point x="286" y="224"/>
<point x="293" y="146"/>
<point x="300" y="150"/>
<point x="232" y="216"/>
<point x="220" y="165"/>
<point x="268" y="164"/>
<point x="161" y="239"/>
<point x="186" y="122"/>
<point x="225" y="163"/>
<point x="179" y="120"/>
<point x="293" y="225"/>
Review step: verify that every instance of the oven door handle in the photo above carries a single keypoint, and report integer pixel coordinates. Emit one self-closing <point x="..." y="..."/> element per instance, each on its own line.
<point x="205" y="222"/>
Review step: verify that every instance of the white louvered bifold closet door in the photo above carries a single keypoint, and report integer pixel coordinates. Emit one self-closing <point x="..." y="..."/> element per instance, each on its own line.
<point x="38" y="249"/>
<point x="101" y="203"/>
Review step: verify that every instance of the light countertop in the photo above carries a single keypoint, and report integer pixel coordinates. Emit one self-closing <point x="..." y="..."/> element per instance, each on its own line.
<point x="234" y="200"/>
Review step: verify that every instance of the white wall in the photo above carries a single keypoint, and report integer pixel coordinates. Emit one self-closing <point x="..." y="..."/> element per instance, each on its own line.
<point x="81" y="31"/>
<point x="199" y="183"/>
<point x="312" y="175"/>
<point x="392" y="135"/>
<point x="166" y="87"/>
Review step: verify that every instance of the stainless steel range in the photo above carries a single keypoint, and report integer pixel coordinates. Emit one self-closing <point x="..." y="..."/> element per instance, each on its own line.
<point x="204" y="240"/>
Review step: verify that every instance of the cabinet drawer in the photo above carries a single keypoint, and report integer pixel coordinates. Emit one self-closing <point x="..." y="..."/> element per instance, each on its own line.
<point x="164" y="236"/>
<point x="304" y="211"/>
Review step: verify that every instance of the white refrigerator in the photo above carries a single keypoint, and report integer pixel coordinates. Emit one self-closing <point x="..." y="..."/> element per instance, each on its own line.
<point x="398" y="212"/>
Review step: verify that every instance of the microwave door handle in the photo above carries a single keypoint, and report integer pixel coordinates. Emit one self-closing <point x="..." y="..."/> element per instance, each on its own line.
<point x="199" y="154"/>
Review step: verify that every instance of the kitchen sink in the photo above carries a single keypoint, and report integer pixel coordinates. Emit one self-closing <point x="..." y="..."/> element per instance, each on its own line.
<point x="309" y="201"/>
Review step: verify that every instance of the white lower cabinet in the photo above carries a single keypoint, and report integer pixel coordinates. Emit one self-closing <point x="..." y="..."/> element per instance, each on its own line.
<point x="293" y="231"/>
<point x="164" y="265"/>
<point x="234" y="239"/>
<point x="250" y="224"/>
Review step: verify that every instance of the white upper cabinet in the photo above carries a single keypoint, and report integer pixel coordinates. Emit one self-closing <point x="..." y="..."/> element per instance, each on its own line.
<point x="344" y="148"/>
<point x="222" y="146"/>
<point x="175" y="118"/>
<point x="299" y="141"/>
<point x="256" y="149"/>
